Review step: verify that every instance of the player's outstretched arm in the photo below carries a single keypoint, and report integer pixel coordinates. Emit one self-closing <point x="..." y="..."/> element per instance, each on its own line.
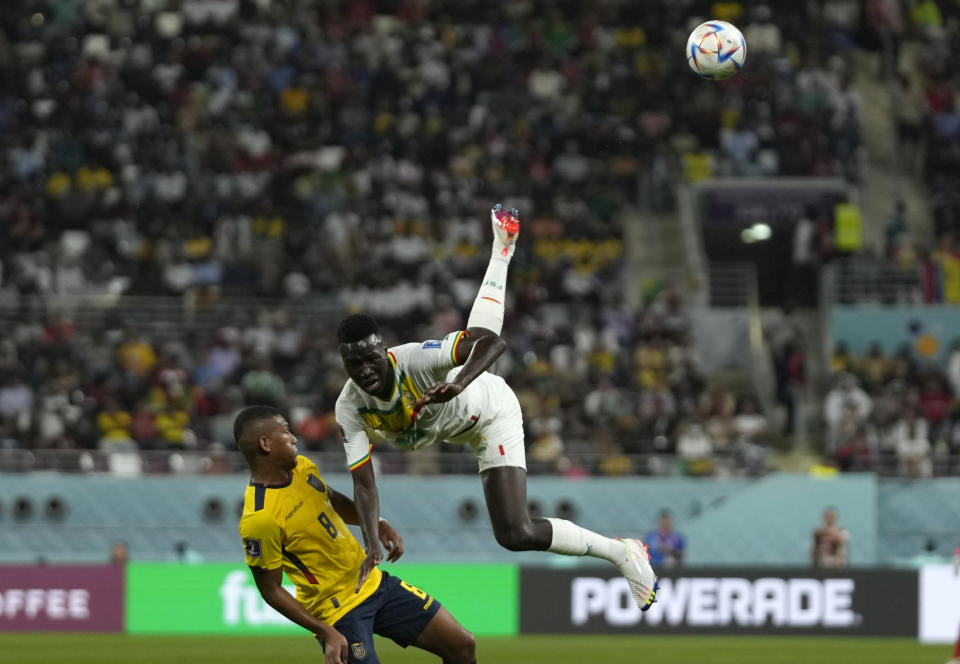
<point x="477" y="353"/>
<point x="366" y="501"/>
<point x="389" y="537"/>
<point x="268" y="583"/>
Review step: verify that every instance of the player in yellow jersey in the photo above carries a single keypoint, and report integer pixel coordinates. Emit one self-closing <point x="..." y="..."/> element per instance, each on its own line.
<point x="416" y="394"/>
<point x="294" y="522"/>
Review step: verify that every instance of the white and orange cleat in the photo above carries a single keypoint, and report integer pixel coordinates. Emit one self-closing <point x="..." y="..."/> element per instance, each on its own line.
<point x="506" y="228"/>
<point x="639" y="573"/>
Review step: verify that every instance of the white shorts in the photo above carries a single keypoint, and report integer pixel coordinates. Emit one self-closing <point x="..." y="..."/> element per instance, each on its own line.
<point x="499" y="437"/>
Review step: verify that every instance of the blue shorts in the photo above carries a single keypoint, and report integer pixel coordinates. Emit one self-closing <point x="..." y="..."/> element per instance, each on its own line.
<point x="395" y="610"/>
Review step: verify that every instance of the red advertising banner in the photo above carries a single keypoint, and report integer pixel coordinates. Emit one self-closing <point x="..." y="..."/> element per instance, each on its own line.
<point x="62" y="598"/>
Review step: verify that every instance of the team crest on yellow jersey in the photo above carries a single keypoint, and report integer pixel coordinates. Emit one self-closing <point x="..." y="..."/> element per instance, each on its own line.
<point x="316" y="483"/>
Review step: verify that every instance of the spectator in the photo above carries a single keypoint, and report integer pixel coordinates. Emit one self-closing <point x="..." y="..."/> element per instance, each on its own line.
<point x="854" y="454"/>
<point x="716" y="409"/>
<point x="896" y="227"/>
<point x="751" y="433"/>
<point x="953" y="369"/>
<point x="114" y="423"/>
<point x="694" y="449"/>
<point x="16" y="403"/>
<point x="831" y="542"/>
<point x="666" y="546"/>
<point x="875" y="367"/>
<point x="119" y="554"/>
<point x="843" y="360"/>
<point x="173" y="430"/>
<point x="261" y="384"/>
<point x="847" y="405"/>
<point x="912" y="443"/>
<point x="935" y="401"/>
<point x="136" y="355"/>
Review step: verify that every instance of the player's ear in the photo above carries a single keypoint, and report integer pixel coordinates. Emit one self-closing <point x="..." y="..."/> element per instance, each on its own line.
<point x="263" y="443"/>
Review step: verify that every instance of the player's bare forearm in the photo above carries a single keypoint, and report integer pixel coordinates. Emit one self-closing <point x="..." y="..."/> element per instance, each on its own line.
<point x="388" y="536"/>
<point x="268" y="583"/>
<point x="485" y="349"/>
<point x="366" y="503"/>
<point x="345" y="507"/>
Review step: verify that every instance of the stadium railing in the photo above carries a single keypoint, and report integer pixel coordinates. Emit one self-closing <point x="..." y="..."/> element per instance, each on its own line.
<point x="452" y="460"/>
<point x="91" y="312"/>
<point x="861" y="280"/>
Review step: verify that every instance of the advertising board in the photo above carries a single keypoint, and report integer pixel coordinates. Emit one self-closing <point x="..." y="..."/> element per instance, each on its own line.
<point x="62" y="598"/>
<point x="718" y="601"/>
<point x="222" y="598"/>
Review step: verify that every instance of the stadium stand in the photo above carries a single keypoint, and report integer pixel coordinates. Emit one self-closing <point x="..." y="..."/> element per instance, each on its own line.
<point x="170" y="158"/>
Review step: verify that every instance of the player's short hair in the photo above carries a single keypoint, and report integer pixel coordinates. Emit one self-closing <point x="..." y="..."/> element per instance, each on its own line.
<point x="356" y="327"/>
<point x="251" y="415"/>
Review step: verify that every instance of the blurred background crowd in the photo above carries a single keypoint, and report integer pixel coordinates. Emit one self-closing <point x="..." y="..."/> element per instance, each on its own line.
<point x="345" y="153"/>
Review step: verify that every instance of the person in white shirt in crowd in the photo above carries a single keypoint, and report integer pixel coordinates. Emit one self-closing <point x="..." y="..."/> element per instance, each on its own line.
<point x="844" y="397"/>
<point x="911" y="440"/>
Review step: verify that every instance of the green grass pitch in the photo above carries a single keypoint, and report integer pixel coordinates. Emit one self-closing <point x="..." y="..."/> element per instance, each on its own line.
<point x="104" y="649"/>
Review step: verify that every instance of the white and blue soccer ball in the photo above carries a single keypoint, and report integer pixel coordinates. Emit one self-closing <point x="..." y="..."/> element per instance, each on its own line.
<point x="716" y="50"/>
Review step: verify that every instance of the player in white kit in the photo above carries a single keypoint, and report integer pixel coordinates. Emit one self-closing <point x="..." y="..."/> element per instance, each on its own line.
<point x="419" y="393"/>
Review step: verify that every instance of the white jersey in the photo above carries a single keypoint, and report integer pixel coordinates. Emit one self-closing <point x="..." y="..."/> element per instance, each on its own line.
<point x="417" y="367"/>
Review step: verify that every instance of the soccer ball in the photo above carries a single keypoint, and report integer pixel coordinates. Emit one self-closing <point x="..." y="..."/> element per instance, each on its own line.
<point x="716" y="50"/>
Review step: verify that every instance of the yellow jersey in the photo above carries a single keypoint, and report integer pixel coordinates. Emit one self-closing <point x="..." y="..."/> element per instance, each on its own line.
<point x="295" y="527"/>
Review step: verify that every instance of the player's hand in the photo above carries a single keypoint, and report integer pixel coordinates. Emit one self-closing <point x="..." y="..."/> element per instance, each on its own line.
<point x="374" y="556"/>
<point x="438" y="394"/>
<point x="391" y="541"/>
<point x="335" y="648"/>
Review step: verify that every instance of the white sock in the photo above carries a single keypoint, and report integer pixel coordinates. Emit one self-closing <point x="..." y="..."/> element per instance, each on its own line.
<point x="487" y="311"/>
<point x="569" y="539"/>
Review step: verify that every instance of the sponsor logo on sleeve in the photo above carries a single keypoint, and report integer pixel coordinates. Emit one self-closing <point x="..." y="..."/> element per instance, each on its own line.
<point x="433" y="343"/>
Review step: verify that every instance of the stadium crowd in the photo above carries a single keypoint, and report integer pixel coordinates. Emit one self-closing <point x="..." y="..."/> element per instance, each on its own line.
<point x="255" y="147"/>
<point x="919" y="263"/>
<point x="343" y="150"/>
<point x="646" y="407"/>
<point x="894" y="414"/>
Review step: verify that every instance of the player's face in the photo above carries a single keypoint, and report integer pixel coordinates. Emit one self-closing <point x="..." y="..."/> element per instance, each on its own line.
<point x="283" y="444"/>
<point x="367" y="364"/>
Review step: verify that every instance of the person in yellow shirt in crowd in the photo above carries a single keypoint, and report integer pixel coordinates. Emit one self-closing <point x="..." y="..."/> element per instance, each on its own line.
<point x="947" y="260"/>
<point x="114" y="424"/>
<point x="136" y="355"/>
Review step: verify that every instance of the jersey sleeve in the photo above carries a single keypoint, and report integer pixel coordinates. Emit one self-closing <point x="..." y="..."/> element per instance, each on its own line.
<point x="262" y="541"/>
<point x="436" y="356"/>
<point x="353" y="430"/>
